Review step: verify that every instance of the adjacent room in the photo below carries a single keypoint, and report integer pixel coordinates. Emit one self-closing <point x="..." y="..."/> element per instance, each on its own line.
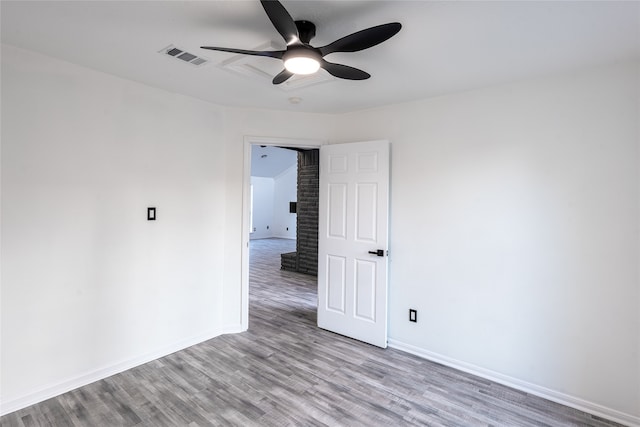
<point x="494" y="212"/>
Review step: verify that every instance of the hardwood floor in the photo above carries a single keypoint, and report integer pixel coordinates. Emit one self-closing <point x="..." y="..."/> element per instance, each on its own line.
<point x="285" y="371"/>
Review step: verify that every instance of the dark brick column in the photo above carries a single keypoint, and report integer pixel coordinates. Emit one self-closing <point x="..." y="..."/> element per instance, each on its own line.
<point x="305" y="259"/>
<point x="307" y="219"/>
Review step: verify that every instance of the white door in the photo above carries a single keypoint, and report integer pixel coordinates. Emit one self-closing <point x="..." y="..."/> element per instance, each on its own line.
<point x="352" y="240"/>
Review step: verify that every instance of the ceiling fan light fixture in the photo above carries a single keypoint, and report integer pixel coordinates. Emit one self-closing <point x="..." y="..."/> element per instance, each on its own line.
<point x="301" y="65"/>
<point x="301" y="60"/>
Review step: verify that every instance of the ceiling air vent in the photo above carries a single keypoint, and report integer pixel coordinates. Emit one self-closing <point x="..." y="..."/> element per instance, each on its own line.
<point x="183" y="55"/>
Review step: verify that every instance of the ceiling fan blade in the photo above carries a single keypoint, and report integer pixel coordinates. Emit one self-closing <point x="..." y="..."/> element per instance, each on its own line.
<point x="281" y="20"/>
<point x="271" y="54"/>
<point x="344" y="71"/>
<point x="282" y="77"/>
<point x="362" y="39"/>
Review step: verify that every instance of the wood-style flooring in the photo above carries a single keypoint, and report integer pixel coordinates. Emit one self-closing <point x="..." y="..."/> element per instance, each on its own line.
<point x="285" y="371"/>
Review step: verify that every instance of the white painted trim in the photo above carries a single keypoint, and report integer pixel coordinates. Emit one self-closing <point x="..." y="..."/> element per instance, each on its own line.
<point x="232" y="329"/>
<point x="54" y="390"/>
<point x="246" y="190"/>
<point x="534" y="389"/>
<point x="246" y="235"/>
<point x="285" y="142"/>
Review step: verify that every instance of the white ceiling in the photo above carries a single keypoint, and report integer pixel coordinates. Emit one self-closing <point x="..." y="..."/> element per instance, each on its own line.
<point x="444" y="47"/>
<point x="269" y="162"/>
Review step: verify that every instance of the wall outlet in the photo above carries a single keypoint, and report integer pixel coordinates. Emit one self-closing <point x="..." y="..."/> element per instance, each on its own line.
<point x="413" y="315"/>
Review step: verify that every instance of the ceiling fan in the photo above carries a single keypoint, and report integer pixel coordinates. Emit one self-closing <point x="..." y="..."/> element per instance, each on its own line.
<point x="300" y="57"/>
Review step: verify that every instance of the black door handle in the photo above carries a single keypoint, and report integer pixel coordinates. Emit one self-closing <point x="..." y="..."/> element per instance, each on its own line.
<point x="379" y="252"/>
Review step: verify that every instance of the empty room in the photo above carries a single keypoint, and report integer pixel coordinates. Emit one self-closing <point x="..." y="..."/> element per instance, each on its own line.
<point x="461" y="243"/>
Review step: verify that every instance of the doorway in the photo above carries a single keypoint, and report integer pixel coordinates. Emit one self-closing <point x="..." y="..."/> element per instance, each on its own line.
<point x="247" y="227"/>
<point x="274" y="181"/>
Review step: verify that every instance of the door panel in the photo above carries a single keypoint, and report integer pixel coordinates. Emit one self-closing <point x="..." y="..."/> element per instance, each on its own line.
<point x="365" y="286"/>
<point x="336" y="283"/>
<point x="337" y="212"/>
<point x="366" y="204"/>
<point x="353" y="228"/>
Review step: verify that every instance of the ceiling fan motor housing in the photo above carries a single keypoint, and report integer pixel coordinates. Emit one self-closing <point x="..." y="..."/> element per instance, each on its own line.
<point x="306" y="31"/>
<point x="297" y="51"/>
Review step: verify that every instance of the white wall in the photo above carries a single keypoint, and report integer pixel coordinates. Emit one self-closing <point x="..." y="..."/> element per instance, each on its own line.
<point x="515" y="232"/>
<point x="89" y="287"/>
<point x="271" y="197"/>
<point x="285" y="191"/>
<point x="263" y="196"/>
<point x="88" y="284"/>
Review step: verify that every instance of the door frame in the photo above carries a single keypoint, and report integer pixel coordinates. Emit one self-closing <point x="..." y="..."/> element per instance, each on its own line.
<point x="246" y="206"/>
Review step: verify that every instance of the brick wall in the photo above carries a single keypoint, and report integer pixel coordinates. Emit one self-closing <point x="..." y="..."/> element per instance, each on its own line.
<point x="307" y="215"/>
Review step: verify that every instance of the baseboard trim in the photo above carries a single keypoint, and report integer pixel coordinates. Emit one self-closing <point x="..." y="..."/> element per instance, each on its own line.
<point x="555" y="396"/>
<point x="54" y="390"/>
<point x="233" y="329"/>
